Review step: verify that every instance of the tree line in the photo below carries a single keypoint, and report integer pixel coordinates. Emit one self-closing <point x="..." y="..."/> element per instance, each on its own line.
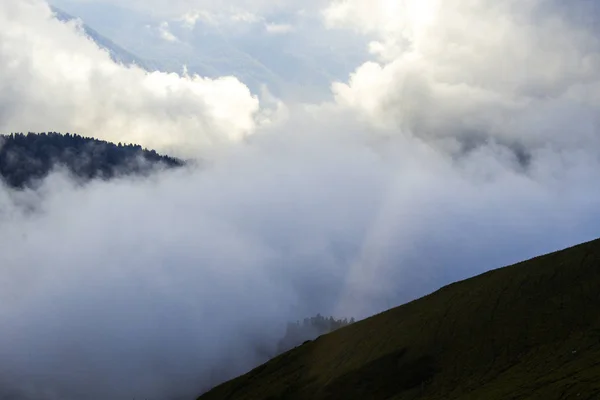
<point x="309" y="329"/>
<point x="27" y="158"/>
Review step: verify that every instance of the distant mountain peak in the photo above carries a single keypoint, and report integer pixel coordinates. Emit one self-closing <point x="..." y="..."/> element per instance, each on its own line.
<point x="117" y="53"/>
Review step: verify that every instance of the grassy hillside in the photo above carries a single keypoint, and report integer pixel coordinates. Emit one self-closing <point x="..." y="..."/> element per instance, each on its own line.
<point x="528" y="331"/>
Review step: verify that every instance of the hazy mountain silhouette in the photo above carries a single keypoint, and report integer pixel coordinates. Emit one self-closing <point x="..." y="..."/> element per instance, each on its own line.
<point x="117" y="53"/>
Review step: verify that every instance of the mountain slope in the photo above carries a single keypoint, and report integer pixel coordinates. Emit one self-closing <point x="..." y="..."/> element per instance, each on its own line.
<point x="116" y="52"/>
<point x="25" y="159"/>
<point x="528" y="331"/>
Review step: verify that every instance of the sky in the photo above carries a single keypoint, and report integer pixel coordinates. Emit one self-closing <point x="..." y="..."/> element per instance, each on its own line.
<point x="464" y="138"/>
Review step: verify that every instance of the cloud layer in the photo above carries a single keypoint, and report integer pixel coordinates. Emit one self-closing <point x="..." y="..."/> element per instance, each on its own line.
<point x="468" y="142"/>
<point x="522" y="74"/>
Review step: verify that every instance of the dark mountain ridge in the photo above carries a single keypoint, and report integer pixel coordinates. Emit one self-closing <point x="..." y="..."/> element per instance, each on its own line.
<point x="28" y="158"/>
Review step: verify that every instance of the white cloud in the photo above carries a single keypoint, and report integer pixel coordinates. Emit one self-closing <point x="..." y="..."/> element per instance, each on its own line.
<point x="278" y="29"/>
<point x="165" y="33"/>
<point x="218" y="18"/>
<point x="229" y="18"/>
<point x="57" y="79"/>
<point x="244" y="16"/>
<point x="190" y="18"/>
<point x="472" y="71"/>
<point x="397" y="22"/>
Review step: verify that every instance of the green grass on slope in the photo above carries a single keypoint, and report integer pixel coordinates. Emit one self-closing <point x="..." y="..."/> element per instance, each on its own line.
<point x="528" y="331"/>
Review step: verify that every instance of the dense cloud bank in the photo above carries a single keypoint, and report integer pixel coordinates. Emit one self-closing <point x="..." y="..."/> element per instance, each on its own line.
<point x="468" y="143"/>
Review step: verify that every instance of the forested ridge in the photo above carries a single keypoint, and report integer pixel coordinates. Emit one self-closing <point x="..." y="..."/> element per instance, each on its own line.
<point x="25" y="159"/>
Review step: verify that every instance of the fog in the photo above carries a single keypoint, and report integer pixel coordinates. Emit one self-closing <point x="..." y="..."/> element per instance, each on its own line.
<point x="428" y="167"/>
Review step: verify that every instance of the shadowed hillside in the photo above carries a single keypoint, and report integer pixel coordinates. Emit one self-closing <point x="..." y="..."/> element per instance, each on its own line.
<point x="528" y="331"/>
<point x="24" y="159"/>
